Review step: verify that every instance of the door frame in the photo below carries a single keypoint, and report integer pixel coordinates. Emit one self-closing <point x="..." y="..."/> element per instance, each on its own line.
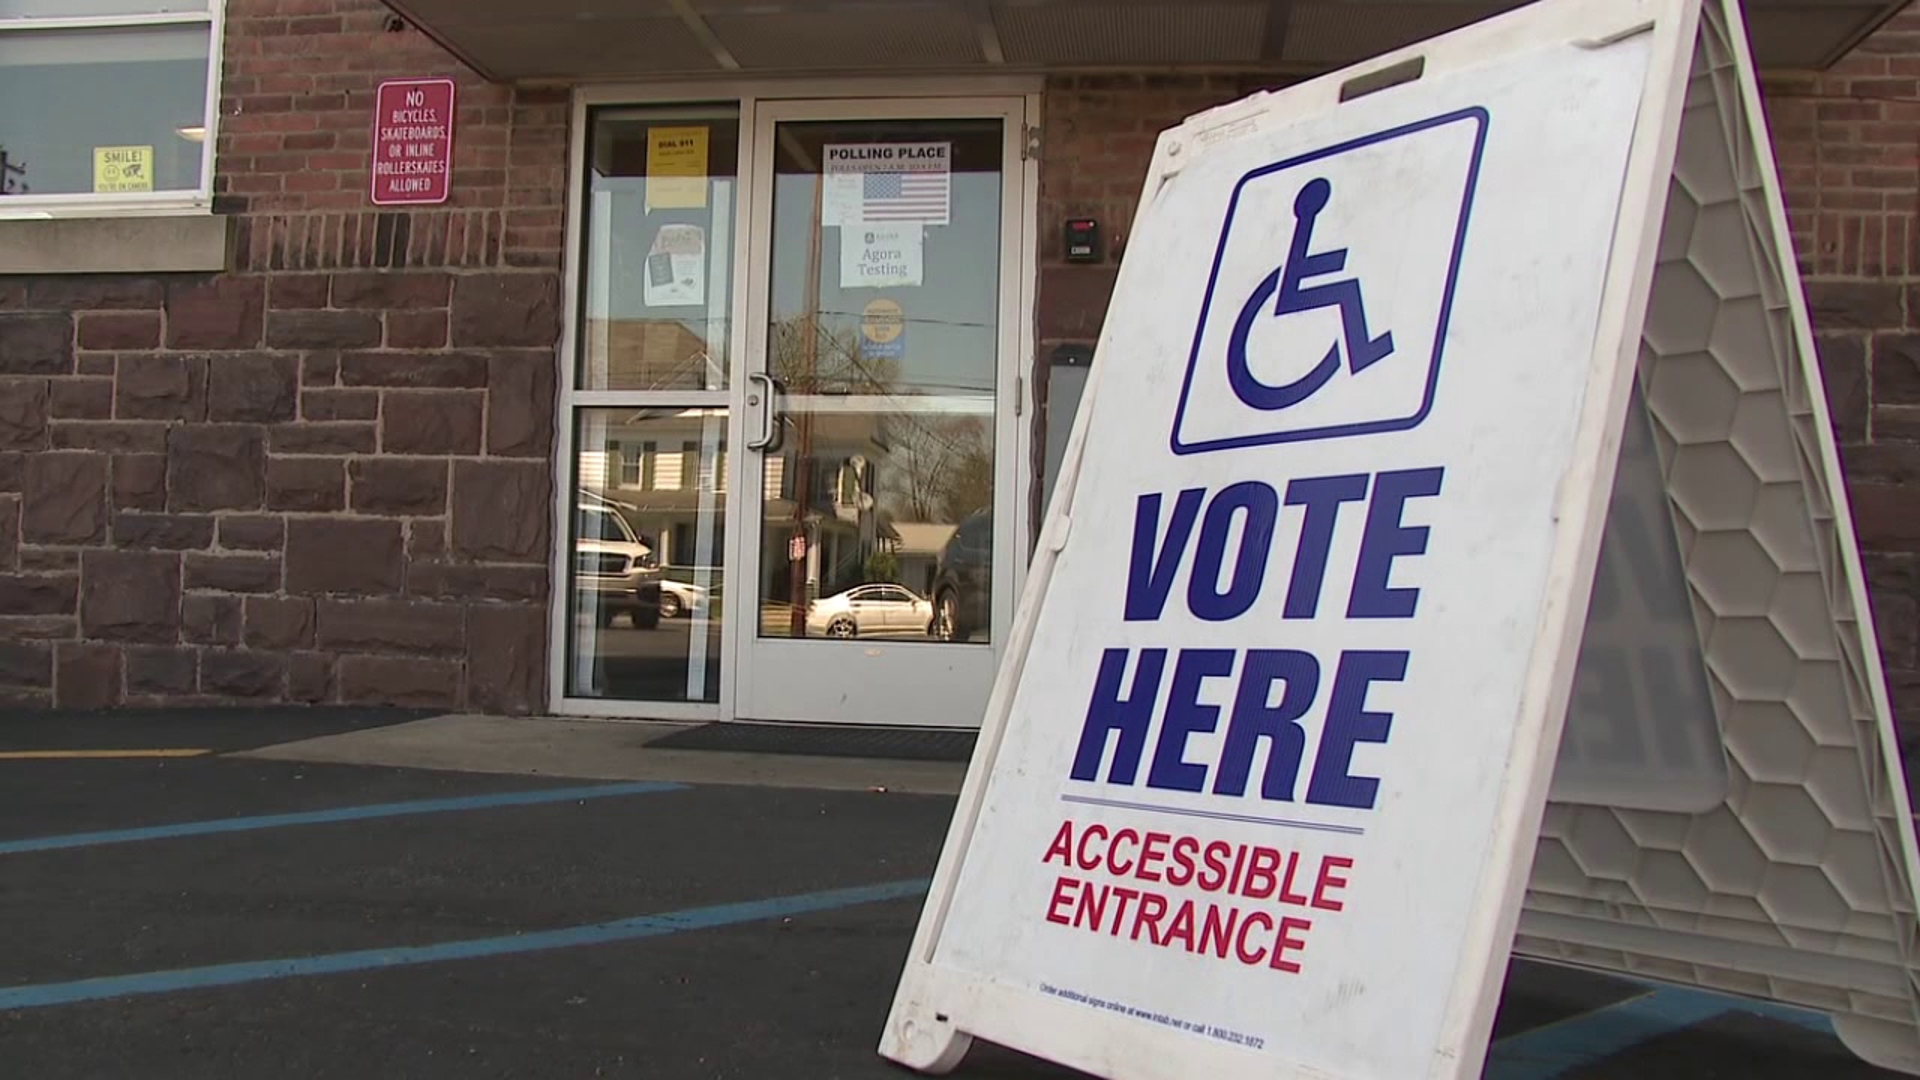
<point x="756" y="659"/>
<point x="749" y="95"/>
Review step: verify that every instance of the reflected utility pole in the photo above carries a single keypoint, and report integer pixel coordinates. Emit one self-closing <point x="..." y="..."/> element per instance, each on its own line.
<point x="803" y="422"/>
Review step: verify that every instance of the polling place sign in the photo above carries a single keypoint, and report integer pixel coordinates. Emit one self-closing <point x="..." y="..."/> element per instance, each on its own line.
<point x="1268" y="762"/>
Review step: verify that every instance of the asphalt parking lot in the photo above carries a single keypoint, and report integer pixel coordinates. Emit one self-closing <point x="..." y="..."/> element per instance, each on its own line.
<point x="203" y="915"/>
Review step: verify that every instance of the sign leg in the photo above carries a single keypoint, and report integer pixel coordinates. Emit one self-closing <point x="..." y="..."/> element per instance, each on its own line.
<point x="1878" y="1042"/>
<point x="922" y="1040"/>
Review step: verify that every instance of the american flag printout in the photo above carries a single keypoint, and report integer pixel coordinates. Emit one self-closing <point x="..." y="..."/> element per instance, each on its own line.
<point x="888" y="182"/>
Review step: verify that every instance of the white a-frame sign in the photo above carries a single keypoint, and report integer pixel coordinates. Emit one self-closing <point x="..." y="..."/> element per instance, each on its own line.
<point x="1450" y="559"/>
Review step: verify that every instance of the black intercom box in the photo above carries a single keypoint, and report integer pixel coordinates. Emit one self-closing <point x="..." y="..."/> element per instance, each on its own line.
<point x="1083" y="240"/>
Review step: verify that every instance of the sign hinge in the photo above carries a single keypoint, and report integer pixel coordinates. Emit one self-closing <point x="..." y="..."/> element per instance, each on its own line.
<point x="1030" y="142"/>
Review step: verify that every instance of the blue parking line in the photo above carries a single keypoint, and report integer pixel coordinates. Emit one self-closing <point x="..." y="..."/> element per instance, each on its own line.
<point x="644" y="926"/>
<point x="1556" y="1049"/>
<point x="344" y="813"/>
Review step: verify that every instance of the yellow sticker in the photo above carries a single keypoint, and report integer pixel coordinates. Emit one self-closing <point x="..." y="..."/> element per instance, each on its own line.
<point x="882" y="321"/>
<point x="122" y="168"/>
<point x="676" y="167"/>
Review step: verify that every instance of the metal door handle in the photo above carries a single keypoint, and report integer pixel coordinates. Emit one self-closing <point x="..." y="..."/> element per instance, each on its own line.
<point x="769" y="390"/>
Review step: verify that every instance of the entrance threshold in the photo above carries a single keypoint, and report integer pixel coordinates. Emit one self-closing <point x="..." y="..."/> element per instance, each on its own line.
<point x="608" y="749"/>
<point x="825" y="740"/>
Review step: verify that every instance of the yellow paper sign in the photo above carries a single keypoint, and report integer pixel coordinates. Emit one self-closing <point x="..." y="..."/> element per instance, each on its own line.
<point x="122" y="168"/>
<point x="676" y="167"/>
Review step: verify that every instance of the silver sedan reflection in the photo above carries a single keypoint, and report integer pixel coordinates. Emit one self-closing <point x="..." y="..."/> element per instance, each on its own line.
<point x="869" y="611"/>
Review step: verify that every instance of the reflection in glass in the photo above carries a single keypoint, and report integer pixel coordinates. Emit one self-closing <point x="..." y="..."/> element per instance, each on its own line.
<point x="878" y="501"/>
<point x="932" y="328"/>
<point x="648" y="527"/>
<point x="141" y="93"/>
<point x="659" y="263"/>
<point x="1641" y="730"/>
<point x="901" y="500"/>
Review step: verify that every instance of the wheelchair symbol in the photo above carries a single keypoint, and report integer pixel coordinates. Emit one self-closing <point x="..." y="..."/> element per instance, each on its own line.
<point x="1362" y="349"/>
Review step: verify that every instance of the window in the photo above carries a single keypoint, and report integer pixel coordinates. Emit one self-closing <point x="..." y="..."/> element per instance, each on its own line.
<point x="658" y="289"/>
<point x="107" y="105"/>
<point x="654" y="328"/>
<point x="633" y="467"/>
<point x="652" y="636"/>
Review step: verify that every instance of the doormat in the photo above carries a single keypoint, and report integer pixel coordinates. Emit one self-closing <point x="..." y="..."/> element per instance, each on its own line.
<point x="824" y="740"/>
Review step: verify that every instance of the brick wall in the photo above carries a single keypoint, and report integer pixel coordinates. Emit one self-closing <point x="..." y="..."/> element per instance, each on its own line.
<point x="1848" y="146"/>
<point x="326" y="475"/>
<point x="1099" y="132"/>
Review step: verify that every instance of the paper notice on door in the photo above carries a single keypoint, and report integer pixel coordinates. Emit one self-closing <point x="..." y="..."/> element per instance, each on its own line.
<point x="840" y="199"/>
<point x="881" y="256"/>
<point x="677" y="267"/>
<point x="676" y="168"/>
<point x="888" y="183"/>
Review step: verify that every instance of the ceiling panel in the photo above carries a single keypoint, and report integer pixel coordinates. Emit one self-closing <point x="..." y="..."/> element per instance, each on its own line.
<point x="897" y="37"/>
<point x="1082" y="34"/>
<point x="449" y="13"/>
<point x="1803" y="36"/>
<point x="636" y="48"/>
<point x="1328" y="34"/>
<point x="598" y="39"/>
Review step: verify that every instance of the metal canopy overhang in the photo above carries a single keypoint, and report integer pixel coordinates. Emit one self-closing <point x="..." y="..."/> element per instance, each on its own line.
<point x="602" y="40"/>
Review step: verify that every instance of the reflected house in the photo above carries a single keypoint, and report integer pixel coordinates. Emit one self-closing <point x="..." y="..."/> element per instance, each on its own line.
<point x="851" y="535"/>
<point x="650" y="469"/>
<point x="886" y="476"/>
<point x="647" y="352"/>
<point x="648" y="464"/>
<point x="920" y="545"/>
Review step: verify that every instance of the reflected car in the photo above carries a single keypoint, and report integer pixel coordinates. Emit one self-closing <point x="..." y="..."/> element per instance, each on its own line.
<point x="867" y="610"/>
<point x="963" y="582"/>
<point x="679" y="598"/>
<point x="615" y="573"/>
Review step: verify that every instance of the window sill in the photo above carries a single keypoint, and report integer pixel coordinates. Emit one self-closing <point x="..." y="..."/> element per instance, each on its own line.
<point x="184" y="243"/>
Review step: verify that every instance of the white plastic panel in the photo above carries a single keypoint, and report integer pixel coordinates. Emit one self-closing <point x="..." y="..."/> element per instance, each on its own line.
<point x="1794" y="885"/>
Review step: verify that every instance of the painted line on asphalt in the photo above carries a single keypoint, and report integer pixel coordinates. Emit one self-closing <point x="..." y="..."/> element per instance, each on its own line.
<point x="81" y="755"/>
<point x="534" y="797"/>
<point x="645" y="926"/>
<point x="1553" y="1050"/>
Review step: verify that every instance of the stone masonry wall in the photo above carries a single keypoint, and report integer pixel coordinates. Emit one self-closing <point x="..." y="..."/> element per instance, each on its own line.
<point x="326" y="475"/>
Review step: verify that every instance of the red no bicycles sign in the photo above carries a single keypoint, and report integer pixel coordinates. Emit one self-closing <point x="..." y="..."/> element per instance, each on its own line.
<point x="413" y="142"/>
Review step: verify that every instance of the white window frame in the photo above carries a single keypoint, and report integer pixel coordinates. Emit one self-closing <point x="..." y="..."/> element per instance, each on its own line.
<point x="91" y="205"/>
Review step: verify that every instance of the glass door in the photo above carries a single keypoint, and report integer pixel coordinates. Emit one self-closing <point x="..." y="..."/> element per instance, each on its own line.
<point x="643" y="527"/>
<point x="879" y="411"/>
